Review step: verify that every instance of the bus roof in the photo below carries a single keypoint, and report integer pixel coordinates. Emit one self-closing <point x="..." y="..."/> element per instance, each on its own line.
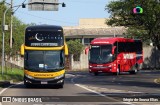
<point x="44" y="27"/>
<point x="112" y="40"/>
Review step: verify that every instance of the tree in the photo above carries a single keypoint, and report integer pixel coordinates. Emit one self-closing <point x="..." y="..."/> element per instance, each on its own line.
<point x="7" y="21"/>
<point x="18" y="32"/>
<point x="148" y="21"/>
<point x="138" y="34"/>
<point x="75" y="47"/>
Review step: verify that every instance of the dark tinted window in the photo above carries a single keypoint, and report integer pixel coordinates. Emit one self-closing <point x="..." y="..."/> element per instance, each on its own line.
<point x="129" y="46"/>
<point x="44" y="38"/>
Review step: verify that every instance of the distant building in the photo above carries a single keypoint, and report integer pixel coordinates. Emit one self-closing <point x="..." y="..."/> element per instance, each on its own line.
<point x="91" y="28"/>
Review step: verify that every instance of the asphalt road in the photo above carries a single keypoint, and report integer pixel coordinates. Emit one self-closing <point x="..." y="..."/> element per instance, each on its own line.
<point x="82" y="88"/>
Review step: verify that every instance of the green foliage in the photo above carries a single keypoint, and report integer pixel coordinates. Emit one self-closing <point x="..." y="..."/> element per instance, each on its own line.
<point x="138" y="34"/>
<point x="148" y="22"/>
<point x="75" y="47"/>
<point x="18" y="32"/>
<point x="14" y="74"/>
<point x="7" y="21"/>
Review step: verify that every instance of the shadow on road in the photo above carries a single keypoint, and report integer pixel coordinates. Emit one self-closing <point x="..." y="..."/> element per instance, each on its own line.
<point x="22" y="86"/>
<point x="143" y="79"/>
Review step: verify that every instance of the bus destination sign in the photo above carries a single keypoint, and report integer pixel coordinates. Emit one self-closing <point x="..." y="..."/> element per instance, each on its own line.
<point x="44" y="38"/>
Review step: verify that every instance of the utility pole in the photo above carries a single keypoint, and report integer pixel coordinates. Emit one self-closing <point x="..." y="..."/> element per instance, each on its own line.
<point x="11" y="26"/>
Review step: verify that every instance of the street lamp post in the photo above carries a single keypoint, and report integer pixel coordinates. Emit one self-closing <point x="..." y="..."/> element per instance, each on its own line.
<point x="3" y="26"/>
<point x="3" y="34"/>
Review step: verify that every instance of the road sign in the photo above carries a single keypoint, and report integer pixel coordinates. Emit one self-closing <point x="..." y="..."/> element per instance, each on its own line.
<point x="43" y="5"/>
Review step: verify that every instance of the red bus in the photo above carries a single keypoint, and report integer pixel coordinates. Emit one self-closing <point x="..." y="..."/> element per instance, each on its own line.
<point x="115" y="55"/>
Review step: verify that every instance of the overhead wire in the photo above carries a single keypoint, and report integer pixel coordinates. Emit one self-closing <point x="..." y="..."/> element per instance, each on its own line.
<point x="19" y="6"/>
<point x="48" y="19"/>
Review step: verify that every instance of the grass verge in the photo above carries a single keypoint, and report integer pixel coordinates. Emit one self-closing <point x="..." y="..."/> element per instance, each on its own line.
<point x="13" y="74"/>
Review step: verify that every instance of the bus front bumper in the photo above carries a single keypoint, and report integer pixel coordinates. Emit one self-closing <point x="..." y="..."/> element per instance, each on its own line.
<point x="44" y="81"/>
<point x="100" y="69"/>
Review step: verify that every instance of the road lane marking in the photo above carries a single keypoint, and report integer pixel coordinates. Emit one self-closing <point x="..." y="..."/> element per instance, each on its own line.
<point x="90" y="90"/>
<point x="8" y="88"/>
<point x="84" y="87"/>
<point x="93" y="91"/>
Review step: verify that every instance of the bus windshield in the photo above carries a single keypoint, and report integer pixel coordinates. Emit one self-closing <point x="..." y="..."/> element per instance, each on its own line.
<point x="44" y="61"/>
<point x="100" y="54"/>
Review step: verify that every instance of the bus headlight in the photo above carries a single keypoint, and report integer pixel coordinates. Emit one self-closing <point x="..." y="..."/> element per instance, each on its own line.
<point x="58" y="77"/>
<point x="109" y="65"/>
<point x="28" y="76"/>
<point x="90" y="66"/>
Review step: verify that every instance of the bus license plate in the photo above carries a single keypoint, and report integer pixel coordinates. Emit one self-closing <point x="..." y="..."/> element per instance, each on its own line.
<point x="44" y="82"/>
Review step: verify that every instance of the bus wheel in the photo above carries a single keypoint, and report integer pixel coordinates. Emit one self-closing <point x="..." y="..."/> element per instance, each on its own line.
<point x="27" y="85"/>
<point x="135" y="69"/>
<point x="60" y="85"/>
<point x="96" y="73"/>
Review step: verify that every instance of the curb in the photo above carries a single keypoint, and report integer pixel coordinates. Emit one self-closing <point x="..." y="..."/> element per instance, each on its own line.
<point x="4" y="83"/>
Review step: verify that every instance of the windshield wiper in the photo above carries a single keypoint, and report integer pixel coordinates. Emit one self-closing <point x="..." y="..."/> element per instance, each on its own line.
<point x="98" y="59"/>
<point x="54" y="69"/>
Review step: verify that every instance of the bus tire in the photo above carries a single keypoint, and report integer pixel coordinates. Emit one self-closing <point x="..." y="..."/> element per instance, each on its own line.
<point x="135" y="70"/>
<point x="60" y="85"/>
<point x="27" y="85"/>
<point x="95" y="73"/>
<point x="132" y="72"/>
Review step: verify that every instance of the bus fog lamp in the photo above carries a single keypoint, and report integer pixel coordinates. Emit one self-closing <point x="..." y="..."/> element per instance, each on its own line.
<point x="58" y="77"/>
<point x="27" y="81"/>
<point x="28" y="76"/>
<point x="109" y="65"/>
<point x="60" y="81"/>
<point x="90" y="66"/>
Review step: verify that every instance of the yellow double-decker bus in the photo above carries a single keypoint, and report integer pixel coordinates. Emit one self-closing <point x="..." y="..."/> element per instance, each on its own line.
<point x="44" y="53"/>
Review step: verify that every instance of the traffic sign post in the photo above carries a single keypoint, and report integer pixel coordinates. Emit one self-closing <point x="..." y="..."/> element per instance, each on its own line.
<point x="37" y="5"/>
<point x="44" y="5"/>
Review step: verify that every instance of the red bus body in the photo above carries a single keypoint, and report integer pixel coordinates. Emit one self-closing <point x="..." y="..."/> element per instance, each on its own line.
<point x="115" y="55"/>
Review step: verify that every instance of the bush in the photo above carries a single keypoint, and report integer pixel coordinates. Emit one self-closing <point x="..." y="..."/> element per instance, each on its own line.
<point x="75" y="47"/>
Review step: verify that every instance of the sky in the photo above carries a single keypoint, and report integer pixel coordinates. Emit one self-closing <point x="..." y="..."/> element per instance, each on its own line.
<point x="65" y="16"/>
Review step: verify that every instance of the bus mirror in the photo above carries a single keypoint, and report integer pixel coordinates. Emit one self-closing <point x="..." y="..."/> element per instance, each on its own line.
<point x="22" y="50"/>
<point x="86" y="50"/>
<point x="65" y="49"/>
<point x="113" y="49"/>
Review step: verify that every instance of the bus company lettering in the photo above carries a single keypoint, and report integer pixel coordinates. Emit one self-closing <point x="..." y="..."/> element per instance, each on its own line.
<point x="46" y="75"/>
<point x="44" y="44"/>
<point x="100" y="42"/>
<point x="128" y="56"/>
